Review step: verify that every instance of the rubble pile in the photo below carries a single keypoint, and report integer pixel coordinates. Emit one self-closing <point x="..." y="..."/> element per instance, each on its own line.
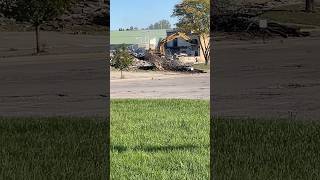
<point x="5" y="21"/>
<point x="245" y="15"/>
<point x="142" y="64"/>
<point x="260" y="4"/>
<point x="266" y="4"/>
<point x="162" y="63"/>
<point x="152" y="61"/>
<point x="88" y="14"/>
<point x="83" y="12"/>
<point x="251" y="26"/>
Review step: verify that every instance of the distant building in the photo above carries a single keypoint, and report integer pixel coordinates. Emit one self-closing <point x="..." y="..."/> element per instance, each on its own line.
<point x="147" y="39"/>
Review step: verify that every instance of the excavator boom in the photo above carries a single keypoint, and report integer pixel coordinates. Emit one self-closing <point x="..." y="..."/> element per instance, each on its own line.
<point x="171" y="38"/>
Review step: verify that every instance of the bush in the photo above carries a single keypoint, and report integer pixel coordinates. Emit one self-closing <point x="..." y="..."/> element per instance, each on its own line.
<point x="122" y="59"/>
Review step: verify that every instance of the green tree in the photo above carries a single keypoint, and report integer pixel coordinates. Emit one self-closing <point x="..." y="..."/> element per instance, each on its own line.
<point x="151" y="26"/>
<point x="194" y="16"/>
<point x="163" y="24"/>
<point x="156" y="25"/>
<point x="37" y="12"/>
<point x="122" y="59"/>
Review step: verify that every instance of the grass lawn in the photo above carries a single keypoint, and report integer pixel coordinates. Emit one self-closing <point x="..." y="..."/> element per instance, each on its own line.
<point x="53" y="148"/>
<point x="159" y="139"/>
<point x="294" y="14"/>
<point x="266" y="149"/>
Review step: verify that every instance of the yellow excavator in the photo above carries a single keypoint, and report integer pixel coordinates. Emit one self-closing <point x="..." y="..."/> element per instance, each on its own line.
<point x="162" y="43"/>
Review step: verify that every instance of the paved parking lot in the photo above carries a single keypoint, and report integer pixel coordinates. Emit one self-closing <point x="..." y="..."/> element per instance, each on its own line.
<point x="160" y="85"/>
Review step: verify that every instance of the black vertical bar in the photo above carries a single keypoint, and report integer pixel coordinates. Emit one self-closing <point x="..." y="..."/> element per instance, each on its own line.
<point x="108" y="90"/>
<point x="212" y="60"/>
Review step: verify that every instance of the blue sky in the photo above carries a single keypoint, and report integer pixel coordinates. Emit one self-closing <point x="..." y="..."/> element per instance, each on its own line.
<point x="140" y="13"/>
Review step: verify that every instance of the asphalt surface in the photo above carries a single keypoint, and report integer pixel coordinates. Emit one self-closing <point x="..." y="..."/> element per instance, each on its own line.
<point x="279" y="79"/>
<point x="276" y="79"/>
<point x="177" y="86"/>
<point x="69" y="80"/>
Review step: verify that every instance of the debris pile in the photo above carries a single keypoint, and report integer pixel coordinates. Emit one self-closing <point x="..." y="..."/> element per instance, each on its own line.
<point x="244" y="18"/>
<point x="162" y="63"/>
<point x="142" y="64"/>
<point x="152" y="61"/>
<point x="85" y="15"/>
<point x="83" y="12"/>
<point x="251" y="26"/>
<point x="137" y="51"/>
<point x="5" y="21"/>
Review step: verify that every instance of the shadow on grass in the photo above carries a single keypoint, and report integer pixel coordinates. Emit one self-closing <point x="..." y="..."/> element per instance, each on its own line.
<point x="271" y="148"/>
<point x="121" y="149"/>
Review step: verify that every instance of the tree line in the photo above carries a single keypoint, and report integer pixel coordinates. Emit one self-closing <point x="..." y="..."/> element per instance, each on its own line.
<point x="162" y="24"/>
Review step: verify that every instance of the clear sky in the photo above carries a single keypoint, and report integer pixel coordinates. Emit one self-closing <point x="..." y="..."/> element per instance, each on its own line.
<point x="140" y="13"/>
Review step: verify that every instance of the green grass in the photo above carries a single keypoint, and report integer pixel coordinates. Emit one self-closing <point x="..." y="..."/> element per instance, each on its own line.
<point x="159" y="139"/>
<point x="53" y="148"/>
<point x="266" y="149"/>
<point x="294" y="14"/>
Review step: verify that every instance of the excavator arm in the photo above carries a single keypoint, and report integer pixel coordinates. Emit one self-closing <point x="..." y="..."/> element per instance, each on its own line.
<point x="171" y="38"/>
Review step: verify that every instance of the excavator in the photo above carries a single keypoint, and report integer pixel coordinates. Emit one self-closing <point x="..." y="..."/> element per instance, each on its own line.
<point x="161" y="51"/>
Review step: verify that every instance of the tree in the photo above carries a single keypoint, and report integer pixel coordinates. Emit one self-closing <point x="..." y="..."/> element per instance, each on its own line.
<point x="122" y="59"/>
<point x="310" y="6"/>
<point x="37" y="12"/>
<point x="156" y="25"/>
<point x="6" y="6"/>
<point x="194" y="16"/>
<point x="151" y="26"/>
<point x="163" y="24"/>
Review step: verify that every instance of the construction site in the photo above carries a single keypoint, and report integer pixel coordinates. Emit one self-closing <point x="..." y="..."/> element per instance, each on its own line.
<point x="163" y="49"/>
<point x="164" y="66"/>
<point x="168" y="61"/>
